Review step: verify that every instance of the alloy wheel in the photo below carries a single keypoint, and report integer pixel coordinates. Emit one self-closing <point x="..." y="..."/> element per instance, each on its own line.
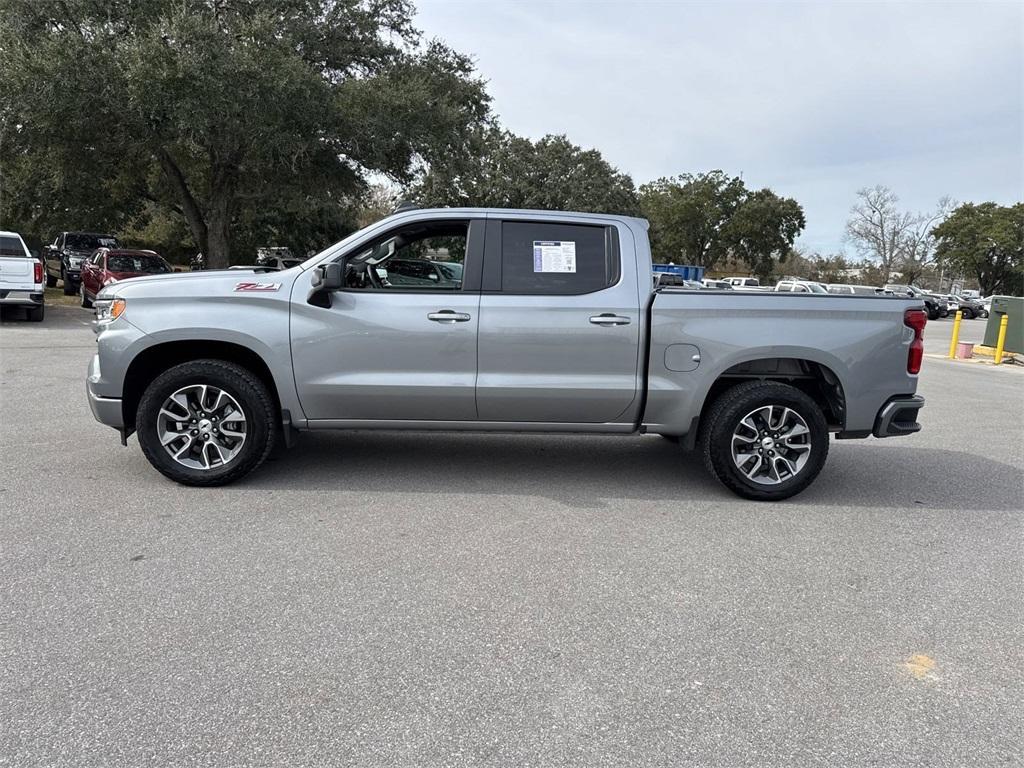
<point x="201" y="427"/>
<point x="771" y="444"/>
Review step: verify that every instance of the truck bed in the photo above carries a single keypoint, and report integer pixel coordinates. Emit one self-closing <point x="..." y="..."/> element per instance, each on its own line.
<point x="698" y="337"/>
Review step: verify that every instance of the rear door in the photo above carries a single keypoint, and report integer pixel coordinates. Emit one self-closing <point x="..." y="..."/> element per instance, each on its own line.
<point x="559" y="322"/>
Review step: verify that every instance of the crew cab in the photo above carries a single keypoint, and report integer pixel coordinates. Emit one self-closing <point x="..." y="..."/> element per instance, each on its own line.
<point x="21" y="277"/>
<point x="63" y="258"/>
<point x="552" y="326"/>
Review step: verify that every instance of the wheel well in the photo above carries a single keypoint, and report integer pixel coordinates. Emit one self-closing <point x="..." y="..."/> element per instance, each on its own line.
<point x="817" y="381"/>
<point x="153" y="361"/>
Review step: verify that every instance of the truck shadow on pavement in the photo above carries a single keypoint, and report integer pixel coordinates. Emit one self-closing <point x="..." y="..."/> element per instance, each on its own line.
<point x="595" y="471"/>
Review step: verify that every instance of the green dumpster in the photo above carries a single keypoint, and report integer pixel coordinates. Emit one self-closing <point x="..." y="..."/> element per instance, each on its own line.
<point x="1014" y="307"/>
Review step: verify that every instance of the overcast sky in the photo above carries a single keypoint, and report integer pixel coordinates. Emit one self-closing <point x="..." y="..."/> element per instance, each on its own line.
<point x="814" y="100"/>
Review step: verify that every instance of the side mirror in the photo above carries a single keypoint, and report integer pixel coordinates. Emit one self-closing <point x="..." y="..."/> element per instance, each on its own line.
<point x="326" y="279"/>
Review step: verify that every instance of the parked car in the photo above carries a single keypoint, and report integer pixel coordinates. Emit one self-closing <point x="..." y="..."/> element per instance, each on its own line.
<point x="63" y="258"/>
<point x="110" y="265"/>
<point x="670" y="280"/>
<point x="745" y="284"/>
<point x="935" y="305"/>
<point x="717" y="285"/>
<point x="970" y="308"/>
<point x="555" y="327"/>
<point x="799" y="286"/>
<point x="844" y="289"/>
<point x="277" y="262"/>
<point x="21" y="277"/>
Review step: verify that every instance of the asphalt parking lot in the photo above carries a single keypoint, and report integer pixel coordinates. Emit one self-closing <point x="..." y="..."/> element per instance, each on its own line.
<point x="418" y="600"/>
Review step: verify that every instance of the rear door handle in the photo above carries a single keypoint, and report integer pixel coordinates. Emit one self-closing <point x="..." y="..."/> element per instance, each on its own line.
<point x="609" y="319"/>
<point x="448" y="316"/>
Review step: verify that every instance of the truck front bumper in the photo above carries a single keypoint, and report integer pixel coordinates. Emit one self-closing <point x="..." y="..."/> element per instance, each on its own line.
<point x="899" y="417"/>
<point x="106" y="410"/>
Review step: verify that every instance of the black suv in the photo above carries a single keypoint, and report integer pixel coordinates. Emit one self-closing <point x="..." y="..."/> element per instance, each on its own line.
<point x="62" y="260"/>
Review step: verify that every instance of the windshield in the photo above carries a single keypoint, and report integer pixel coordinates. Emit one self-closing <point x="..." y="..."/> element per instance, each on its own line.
<point x="80" y="242"/>
<point x="815" y="288"/>
<point x="11" y="246"/>
<point x="147" y="265"/>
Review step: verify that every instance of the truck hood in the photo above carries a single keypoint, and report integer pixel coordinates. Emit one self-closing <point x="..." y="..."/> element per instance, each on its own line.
<point x="207" y="283"/>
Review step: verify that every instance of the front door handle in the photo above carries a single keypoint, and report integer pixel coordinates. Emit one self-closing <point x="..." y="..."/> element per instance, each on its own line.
<point x="448" y="316"/>
<point x="609" y="319"/>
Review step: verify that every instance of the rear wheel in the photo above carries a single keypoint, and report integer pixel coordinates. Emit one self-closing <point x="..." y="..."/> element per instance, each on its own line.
<point x="967" y="314"/>
<point x="35" y="314"/>
<point x="206" y="422"/>
<point x="765" y="440"/>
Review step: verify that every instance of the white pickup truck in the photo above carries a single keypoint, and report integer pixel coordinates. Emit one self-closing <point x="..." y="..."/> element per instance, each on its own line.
<point x="21" y="277"/>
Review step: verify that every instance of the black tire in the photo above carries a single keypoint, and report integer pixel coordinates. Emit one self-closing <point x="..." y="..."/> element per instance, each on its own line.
<point x="35" y="314"/>
<point x="69" y="287"/>
<point x="933" y="314"/>
<point x="86" y="301"/>
<point x="256" y="402"/>
<point x="51" y="281"/>
<point x="967" y="314"/>
<point x="724" y="417"/>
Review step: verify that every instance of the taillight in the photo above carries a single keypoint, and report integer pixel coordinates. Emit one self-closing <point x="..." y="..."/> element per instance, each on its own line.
<point x="37" y="273"/>
<point x="916" y="319"/>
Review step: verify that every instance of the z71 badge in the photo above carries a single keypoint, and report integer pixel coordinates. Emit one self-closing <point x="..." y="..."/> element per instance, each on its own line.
<point x="257" y="286"/>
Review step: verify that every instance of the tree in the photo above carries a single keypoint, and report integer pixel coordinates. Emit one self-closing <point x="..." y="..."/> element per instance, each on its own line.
<point x="985" y="241"/>
<point x="502" y="170"/>
<point x="898" y="240"/>
<point x="248" y="120"/>
<point x="700" y="219"/>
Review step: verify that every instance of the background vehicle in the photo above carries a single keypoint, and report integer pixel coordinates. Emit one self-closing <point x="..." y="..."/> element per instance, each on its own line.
<point x="936" y="306"/>
<point x="21" y="277"/>
<point x="856" y="290"/>
<point x="554" y="327"/>
<point x="663" y="279"/>
<point x="109" y="265"/>
<point x="63" y="258"/>
<point x="799" y="286"/>
<point x="717" y="285"/>
<point x="745" y="284"/>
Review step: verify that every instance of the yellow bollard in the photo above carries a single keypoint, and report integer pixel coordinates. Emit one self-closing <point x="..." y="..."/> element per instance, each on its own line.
<point x="956" y="334"/>
<point x="1001" y="342"/>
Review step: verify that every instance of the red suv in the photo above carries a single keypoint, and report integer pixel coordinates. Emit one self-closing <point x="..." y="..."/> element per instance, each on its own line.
<point x="108" y="265"/>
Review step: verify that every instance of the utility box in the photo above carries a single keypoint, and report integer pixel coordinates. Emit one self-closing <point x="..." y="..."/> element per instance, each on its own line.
<point x="1012" y="306"/>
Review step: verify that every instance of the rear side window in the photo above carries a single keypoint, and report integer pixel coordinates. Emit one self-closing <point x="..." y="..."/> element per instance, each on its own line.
<point x="11" y="246"/>
<point x="557" y="259"/>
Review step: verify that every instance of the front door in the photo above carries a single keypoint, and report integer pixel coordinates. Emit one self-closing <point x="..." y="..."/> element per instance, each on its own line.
<point x="399" y="343"/>
<point x="559" y="324"/>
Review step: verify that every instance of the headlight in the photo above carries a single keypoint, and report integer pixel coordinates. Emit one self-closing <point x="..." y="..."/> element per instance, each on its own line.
<point x="110" y="281"/>
<point x="74" y="262"/>
<point x="108" y="310"/>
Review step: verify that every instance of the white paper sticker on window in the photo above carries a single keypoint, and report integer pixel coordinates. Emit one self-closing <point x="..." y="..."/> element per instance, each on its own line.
<point x="554" y="255"/>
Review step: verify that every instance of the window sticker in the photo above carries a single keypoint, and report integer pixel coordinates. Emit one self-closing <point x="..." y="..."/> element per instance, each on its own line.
<point x="554" y="256"/>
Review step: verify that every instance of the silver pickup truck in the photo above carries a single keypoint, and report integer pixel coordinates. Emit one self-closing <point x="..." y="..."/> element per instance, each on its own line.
<point x="498" y="320"/>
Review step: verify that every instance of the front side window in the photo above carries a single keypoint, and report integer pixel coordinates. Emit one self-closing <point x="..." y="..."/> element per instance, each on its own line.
<point x="557" y="259"/>
<point x="426" y="256"/>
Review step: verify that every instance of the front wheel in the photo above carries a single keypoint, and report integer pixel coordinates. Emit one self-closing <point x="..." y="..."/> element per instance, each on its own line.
<point x="765" y="440"/>
<point x="206" y="422"/>
<point x="86" y="303"/>
<point x="69" y="287"/>
<point x="51" y="281"/>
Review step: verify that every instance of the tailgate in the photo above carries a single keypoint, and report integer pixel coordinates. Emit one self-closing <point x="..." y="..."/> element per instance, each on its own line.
<point x="16" y="270"/>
